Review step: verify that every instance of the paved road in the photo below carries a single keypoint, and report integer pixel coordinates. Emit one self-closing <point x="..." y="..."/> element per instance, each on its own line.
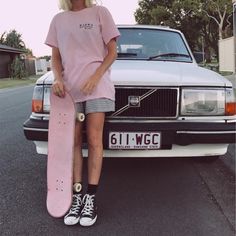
<point x="164" y="197"/>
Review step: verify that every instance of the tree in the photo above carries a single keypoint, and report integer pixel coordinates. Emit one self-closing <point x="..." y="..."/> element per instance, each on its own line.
<point x="29" y="52"/>
<point x="47" y="58"/>
<point x="13" y="39"/>
<point x="17" y="69"/>
<point x="143" y="13"/>
<point x="2" y="38"/>
<point x="220" y="11"/>
<point x="193" y="17"/>
<point x="176" y="14"/>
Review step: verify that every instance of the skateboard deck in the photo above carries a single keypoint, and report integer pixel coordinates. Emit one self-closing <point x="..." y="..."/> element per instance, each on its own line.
<point x="60" y="154"/>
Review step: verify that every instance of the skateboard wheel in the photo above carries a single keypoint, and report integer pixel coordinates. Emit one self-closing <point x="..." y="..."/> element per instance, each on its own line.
<point x="80" y="116"/>
<point x="77" y="187"/>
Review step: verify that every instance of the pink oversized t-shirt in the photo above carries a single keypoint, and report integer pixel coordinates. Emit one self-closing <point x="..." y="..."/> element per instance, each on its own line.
<point x="81" y="37"/>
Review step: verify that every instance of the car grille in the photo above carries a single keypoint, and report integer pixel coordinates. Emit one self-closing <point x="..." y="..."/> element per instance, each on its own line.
<point x="154" y="102"/>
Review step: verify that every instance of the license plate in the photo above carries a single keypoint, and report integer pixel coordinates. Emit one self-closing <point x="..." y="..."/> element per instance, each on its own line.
<point x="134" y="140"/>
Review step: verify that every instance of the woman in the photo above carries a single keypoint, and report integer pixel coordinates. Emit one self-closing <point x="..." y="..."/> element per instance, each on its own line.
<point x="83" y="41"/>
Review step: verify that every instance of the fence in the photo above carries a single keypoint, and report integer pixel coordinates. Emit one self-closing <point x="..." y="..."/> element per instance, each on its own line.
<point x="30" y="66"/>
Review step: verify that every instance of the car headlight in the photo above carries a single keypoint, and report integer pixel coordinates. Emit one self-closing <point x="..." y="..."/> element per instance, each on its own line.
<point x="203" y="102"/>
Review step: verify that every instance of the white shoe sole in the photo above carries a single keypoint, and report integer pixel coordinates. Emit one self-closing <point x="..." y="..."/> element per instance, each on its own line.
<point x="70" y="222"/>
<point x="86" y="222"/>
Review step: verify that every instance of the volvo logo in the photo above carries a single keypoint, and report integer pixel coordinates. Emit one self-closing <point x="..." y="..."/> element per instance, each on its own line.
<point x="134" y="101"/>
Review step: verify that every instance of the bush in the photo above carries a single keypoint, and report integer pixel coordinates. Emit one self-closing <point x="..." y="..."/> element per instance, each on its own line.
<point x="17" y="69"/>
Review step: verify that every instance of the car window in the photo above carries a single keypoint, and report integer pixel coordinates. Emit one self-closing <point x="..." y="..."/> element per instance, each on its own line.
<point x="150" y="43"/>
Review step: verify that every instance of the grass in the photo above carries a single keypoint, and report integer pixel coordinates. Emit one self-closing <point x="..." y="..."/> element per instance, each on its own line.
<point x="10" y="83"/>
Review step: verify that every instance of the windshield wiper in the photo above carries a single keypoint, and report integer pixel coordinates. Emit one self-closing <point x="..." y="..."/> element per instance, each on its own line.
<point x="169" y="55"/>
<point x="126" y="54"/>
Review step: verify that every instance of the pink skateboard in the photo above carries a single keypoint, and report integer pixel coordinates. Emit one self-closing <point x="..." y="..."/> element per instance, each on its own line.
<point x="61" y="154"/>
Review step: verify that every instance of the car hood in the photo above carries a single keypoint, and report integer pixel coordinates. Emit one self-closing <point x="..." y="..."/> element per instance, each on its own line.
<point x="164" y="73"/>
<point x="158" y="73"/>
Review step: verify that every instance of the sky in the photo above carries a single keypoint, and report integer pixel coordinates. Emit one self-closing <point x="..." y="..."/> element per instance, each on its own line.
<point x="31" y="18"/>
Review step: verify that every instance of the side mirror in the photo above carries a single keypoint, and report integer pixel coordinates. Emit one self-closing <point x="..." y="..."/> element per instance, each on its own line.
<point x="199" y="57"/>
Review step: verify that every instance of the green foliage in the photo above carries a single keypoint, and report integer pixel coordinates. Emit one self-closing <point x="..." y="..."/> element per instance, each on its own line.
<point x="217" y="6"/>
<point x="199" y="20"/>
<point x="13" y="39"/>
<point x="47" y="58"/>
<point x="2" y="38"/>
<point x="17" y="69"/>
<point x="143" y="13"/>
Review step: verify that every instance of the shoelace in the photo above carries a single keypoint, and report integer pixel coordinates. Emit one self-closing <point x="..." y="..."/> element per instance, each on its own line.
<point x="76" y="204"/>
<point x="88" y="202"/>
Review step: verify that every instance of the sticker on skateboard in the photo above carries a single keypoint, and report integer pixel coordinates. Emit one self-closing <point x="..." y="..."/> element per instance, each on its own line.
<point x="61" y="154"/>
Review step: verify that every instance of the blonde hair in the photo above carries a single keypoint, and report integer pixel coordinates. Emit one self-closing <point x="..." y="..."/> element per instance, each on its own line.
<point x="67" y="6"/>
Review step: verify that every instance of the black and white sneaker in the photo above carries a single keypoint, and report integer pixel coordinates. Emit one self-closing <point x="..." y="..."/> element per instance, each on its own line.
<point x="89" y="213"/>
<point x="73" y="215"/>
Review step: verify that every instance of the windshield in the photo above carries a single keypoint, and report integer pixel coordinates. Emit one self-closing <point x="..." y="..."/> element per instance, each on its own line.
<point x="151" y="44"/>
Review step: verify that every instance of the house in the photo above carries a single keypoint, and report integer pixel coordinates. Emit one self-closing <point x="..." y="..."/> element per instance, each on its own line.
<point x="7" y="55"/>
<point x="227" y="48"/>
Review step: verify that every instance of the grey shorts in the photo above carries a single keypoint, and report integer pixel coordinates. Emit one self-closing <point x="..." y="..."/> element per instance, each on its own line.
<point x="95" y="105"/>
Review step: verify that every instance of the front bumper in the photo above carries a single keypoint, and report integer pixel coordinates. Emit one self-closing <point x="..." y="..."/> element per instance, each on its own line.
<point x="180" y="133"/>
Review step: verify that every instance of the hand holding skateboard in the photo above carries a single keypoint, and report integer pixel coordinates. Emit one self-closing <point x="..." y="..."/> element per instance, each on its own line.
<point x="58" y="88"/>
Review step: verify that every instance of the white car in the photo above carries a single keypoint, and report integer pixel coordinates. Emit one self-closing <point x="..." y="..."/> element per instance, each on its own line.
<point x="166" y="105"/>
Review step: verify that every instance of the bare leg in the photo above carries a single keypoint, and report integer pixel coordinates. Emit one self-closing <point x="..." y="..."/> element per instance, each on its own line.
<point x="95" y="123"/>
<point x="78" y="158"/>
